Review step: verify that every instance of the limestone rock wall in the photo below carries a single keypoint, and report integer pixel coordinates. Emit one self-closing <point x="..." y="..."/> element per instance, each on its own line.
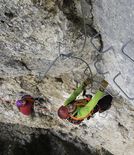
<point x="115" y="22"/>
<point x="32" y="35"/>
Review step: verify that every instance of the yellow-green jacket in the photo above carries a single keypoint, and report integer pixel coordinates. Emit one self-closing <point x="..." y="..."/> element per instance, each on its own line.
<point x="84" y="112"/>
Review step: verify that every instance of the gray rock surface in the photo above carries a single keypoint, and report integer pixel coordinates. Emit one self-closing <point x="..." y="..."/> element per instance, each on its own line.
<point x="114" y="19"/>
<point x="30" y="32"/>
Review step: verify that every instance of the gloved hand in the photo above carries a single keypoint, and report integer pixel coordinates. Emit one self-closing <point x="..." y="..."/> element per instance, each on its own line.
<point x="103" y="85"/>
<point x="87" y="82"/>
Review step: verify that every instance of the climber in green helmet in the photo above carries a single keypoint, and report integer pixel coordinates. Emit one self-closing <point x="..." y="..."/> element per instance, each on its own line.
<point x="75" y="111"/>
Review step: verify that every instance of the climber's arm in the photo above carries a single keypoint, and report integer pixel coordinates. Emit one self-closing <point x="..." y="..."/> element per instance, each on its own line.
<point x="28" y="98"/>
<point x="84" y="111"/>
<point x="77" y="92"/>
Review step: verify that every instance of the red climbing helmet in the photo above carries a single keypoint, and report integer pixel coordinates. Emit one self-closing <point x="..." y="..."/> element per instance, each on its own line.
<point x="63" y="112"/>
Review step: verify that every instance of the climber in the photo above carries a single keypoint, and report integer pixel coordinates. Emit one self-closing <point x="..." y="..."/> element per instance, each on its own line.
<point x="28" y="104"/>
<point x="25" y="105"/>
<point x="75" y="111"/>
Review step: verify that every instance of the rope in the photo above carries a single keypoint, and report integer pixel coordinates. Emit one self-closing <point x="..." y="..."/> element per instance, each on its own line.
<point x="70" y="55"/>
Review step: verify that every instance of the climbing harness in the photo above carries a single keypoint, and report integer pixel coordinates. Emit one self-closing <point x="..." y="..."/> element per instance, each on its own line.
<point x="74" y="120"/>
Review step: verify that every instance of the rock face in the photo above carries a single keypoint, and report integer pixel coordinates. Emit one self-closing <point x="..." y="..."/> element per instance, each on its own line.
<point x="36" y="39"/>
<point x="20" y="140"/>
<point x="115" y="22"/>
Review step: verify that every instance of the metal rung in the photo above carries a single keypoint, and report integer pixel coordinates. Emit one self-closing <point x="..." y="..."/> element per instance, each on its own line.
<point x="95" y="65"/>
<point x="131" y="98"/>
<point x="123" y="47"/>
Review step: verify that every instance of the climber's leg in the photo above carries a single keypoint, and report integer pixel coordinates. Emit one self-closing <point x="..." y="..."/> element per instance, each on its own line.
<point x="105" y="103"/>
